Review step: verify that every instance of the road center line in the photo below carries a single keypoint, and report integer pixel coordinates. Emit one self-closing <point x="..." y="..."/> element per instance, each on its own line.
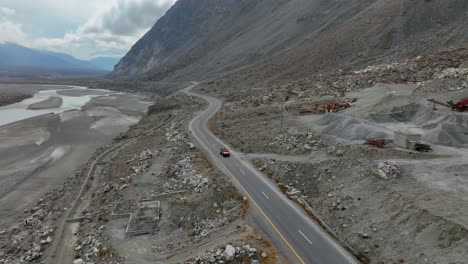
<point x="306" y="238"/>
<point x="266" y="196"/>
<point x="242" y="171"/>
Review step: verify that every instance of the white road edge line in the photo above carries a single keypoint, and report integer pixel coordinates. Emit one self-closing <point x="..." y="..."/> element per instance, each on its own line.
<point x="242" y="171"/>
<point x="266" y="196"/>
<point x="308" y="240"/>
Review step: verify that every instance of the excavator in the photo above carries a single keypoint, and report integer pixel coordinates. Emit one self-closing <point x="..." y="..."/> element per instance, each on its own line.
<point x="460" y="106"/>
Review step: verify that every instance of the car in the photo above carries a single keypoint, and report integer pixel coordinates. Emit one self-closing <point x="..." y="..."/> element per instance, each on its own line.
<point x="224" y="152"/>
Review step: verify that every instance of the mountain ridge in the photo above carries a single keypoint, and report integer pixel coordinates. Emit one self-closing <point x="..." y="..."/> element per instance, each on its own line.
<point x="20" y="60"/>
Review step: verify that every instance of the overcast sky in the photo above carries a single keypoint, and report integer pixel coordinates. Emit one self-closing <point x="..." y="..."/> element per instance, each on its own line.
<point x="82" y="28"/>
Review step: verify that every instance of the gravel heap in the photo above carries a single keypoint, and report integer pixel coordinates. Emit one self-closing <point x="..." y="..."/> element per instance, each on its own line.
<point x="230" y="254"/>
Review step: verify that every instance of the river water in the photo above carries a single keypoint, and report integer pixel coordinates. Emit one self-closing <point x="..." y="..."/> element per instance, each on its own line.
<point x="19" y="111"/>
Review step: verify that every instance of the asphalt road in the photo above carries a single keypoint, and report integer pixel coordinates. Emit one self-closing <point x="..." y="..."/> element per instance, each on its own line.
<point x="280" y="217"/>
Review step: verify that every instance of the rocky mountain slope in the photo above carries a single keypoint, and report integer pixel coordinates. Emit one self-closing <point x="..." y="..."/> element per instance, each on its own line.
<point x="287" y="39"/>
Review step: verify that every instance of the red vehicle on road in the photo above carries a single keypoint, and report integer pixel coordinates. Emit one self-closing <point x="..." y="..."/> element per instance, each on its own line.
<point x="224" y="152"/>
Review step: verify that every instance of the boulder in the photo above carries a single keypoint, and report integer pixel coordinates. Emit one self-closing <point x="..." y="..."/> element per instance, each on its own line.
<point x="35" y="255"/>
<point x="37" y="248"/>
<point x="78" y="261"/>
<point x="230" y="253"/>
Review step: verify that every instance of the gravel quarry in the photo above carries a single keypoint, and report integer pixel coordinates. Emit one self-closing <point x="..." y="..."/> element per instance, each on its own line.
<point x="367" y="118"/>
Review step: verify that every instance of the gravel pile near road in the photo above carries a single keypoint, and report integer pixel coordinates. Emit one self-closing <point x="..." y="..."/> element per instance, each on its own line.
<point x="287" y="143"/>
<point x="230" y="254"/>
<point x="90" y="248"/>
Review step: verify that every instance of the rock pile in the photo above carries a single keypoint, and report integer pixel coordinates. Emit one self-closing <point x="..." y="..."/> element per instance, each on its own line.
<point x="183" y="176"/>
<point x="298" y="142"/>
<point x="388" y="169"/>
<point x="202" y="227"/>
<point x="230" y="254"/>
<point x="28" y="240"/>
<point x="144" y="160"/>
<point x="89" y="249"/>
<point x="174" y="134"/>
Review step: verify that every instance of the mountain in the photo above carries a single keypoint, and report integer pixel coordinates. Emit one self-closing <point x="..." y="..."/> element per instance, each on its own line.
<point x="104" y="63"/>
<point x="287" y="39"/>
<point x="18" y="60"/>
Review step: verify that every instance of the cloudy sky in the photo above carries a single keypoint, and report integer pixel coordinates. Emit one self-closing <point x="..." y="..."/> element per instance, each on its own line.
<point x="82" y="28"/>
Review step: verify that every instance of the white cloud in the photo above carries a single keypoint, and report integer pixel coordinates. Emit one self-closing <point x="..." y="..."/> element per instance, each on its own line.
<point x="7" y="11"/>
<point x="126" y="17"/>
<point x="111" y="30"/>
<point x="12" y="32"/>
<point x="105" y="27"/>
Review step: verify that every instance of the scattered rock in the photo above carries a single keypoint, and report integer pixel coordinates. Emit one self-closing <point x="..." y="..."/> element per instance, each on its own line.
<point x="388" y="169"/>
<point x="229" y="253"/>
<point x="78" y="261"/>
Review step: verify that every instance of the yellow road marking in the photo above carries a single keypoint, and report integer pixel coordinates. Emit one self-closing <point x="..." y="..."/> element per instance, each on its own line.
<point x="250" y="197"/>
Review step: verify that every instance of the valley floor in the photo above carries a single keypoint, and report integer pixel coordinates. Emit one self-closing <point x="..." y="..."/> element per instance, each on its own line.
<point x="149" y="196"/>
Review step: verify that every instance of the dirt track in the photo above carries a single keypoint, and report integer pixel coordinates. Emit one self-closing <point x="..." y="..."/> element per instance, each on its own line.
<point x="61" y="250"/>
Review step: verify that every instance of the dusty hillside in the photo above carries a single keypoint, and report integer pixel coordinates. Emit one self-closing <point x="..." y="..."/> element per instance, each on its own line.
<point x="381" y="32"/>
<point x="282" y="39"/>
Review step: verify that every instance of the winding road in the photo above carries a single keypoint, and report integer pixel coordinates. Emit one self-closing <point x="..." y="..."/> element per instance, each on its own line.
<point x="302" y="239"/>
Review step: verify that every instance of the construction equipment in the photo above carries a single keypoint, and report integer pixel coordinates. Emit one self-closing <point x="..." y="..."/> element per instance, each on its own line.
<point x="422" y="147"/>
<point x="460" y="106"/>
<point x="327" y="108"/>
<point x="376" y="142"/>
